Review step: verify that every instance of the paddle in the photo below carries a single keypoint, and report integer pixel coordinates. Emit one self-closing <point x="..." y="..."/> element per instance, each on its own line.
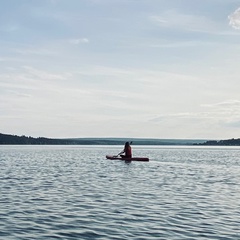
<point x="118" y="154"/>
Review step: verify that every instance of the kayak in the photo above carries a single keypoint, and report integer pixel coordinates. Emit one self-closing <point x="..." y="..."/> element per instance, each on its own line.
<point x="141" y="159"/>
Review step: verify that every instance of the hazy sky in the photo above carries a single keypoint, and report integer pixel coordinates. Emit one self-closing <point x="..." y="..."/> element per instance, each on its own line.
<point x="120" y="68"/>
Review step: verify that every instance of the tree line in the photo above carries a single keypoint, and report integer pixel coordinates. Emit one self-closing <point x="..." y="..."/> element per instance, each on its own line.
<point x="7" y="139"/>
<point x="228" y="142"/>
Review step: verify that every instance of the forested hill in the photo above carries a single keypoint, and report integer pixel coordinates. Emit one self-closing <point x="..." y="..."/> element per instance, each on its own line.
<point x="25" y="140"/>
<point x="228" y="142"/>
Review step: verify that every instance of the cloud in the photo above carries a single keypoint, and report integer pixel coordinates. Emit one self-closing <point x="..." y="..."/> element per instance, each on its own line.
<point x="183" y="115"/>
<point x="35" y="51"/>
<point x="174" y="19"/>
<point x="10" y="59"/>
<point x="99" y="70"/>
<point x="77" y="41"/>
<point x="232" y="124"/>
<point x="43" y="75"/>
<point x="29" y="79"/>
<point x="224" y="113"/>
<point x="174" y="44"/>
<point x="14" y="93"/>
<point x="229" y="103"/>
<point x="234" y="19"/>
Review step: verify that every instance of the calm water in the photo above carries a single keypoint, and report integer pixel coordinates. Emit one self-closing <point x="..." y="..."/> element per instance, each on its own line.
<point x="72" y="192"/>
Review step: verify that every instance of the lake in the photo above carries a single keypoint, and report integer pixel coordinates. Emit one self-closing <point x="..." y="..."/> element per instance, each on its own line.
<point x="73" y="192"/>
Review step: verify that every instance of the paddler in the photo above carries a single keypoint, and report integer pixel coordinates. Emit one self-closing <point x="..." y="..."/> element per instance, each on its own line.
<point x="127" y="150"/>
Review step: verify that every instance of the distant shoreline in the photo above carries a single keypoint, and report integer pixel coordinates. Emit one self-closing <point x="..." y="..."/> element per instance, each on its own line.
<point x="7" y="139"/>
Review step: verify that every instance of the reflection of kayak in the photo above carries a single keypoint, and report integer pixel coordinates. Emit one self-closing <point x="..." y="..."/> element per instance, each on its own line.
<point x="141" y="159"/>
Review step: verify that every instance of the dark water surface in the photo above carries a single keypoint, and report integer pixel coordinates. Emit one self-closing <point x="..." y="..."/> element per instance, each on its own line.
<point x="72" y="192"/>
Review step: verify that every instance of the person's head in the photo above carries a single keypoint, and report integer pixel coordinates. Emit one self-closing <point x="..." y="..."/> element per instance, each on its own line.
<point x="127" y="144"/>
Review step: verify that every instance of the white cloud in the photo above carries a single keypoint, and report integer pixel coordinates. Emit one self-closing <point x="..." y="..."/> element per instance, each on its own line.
<point x="234" y="19"/>
<point x="99" y="70"/>
<point x="182" y="44"/>
<point x="34" y="51"/>
<point x="229" y="103"/>
<point x="174" y="19"/>
<point x="77" y="41"/>
<point x="10" y="59"/>
<point x="44" y="75"/>
<point x="182" y="115"/>
<point x="28" y="79"/>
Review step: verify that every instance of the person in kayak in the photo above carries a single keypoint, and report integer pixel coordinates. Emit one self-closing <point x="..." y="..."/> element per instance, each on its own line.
<point x="127" y="150"/>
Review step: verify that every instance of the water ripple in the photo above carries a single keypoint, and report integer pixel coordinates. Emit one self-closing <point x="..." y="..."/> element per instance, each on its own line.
<point x="72" y="192"/>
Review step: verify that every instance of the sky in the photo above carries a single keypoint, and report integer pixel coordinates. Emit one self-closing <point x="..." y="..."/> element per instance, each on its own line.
<point x="120" y="68"/>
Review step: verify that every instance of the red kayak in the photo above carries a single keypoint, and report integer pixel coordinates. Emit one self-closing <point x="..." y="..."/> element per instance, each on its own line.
<point x="141" y="159"/>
